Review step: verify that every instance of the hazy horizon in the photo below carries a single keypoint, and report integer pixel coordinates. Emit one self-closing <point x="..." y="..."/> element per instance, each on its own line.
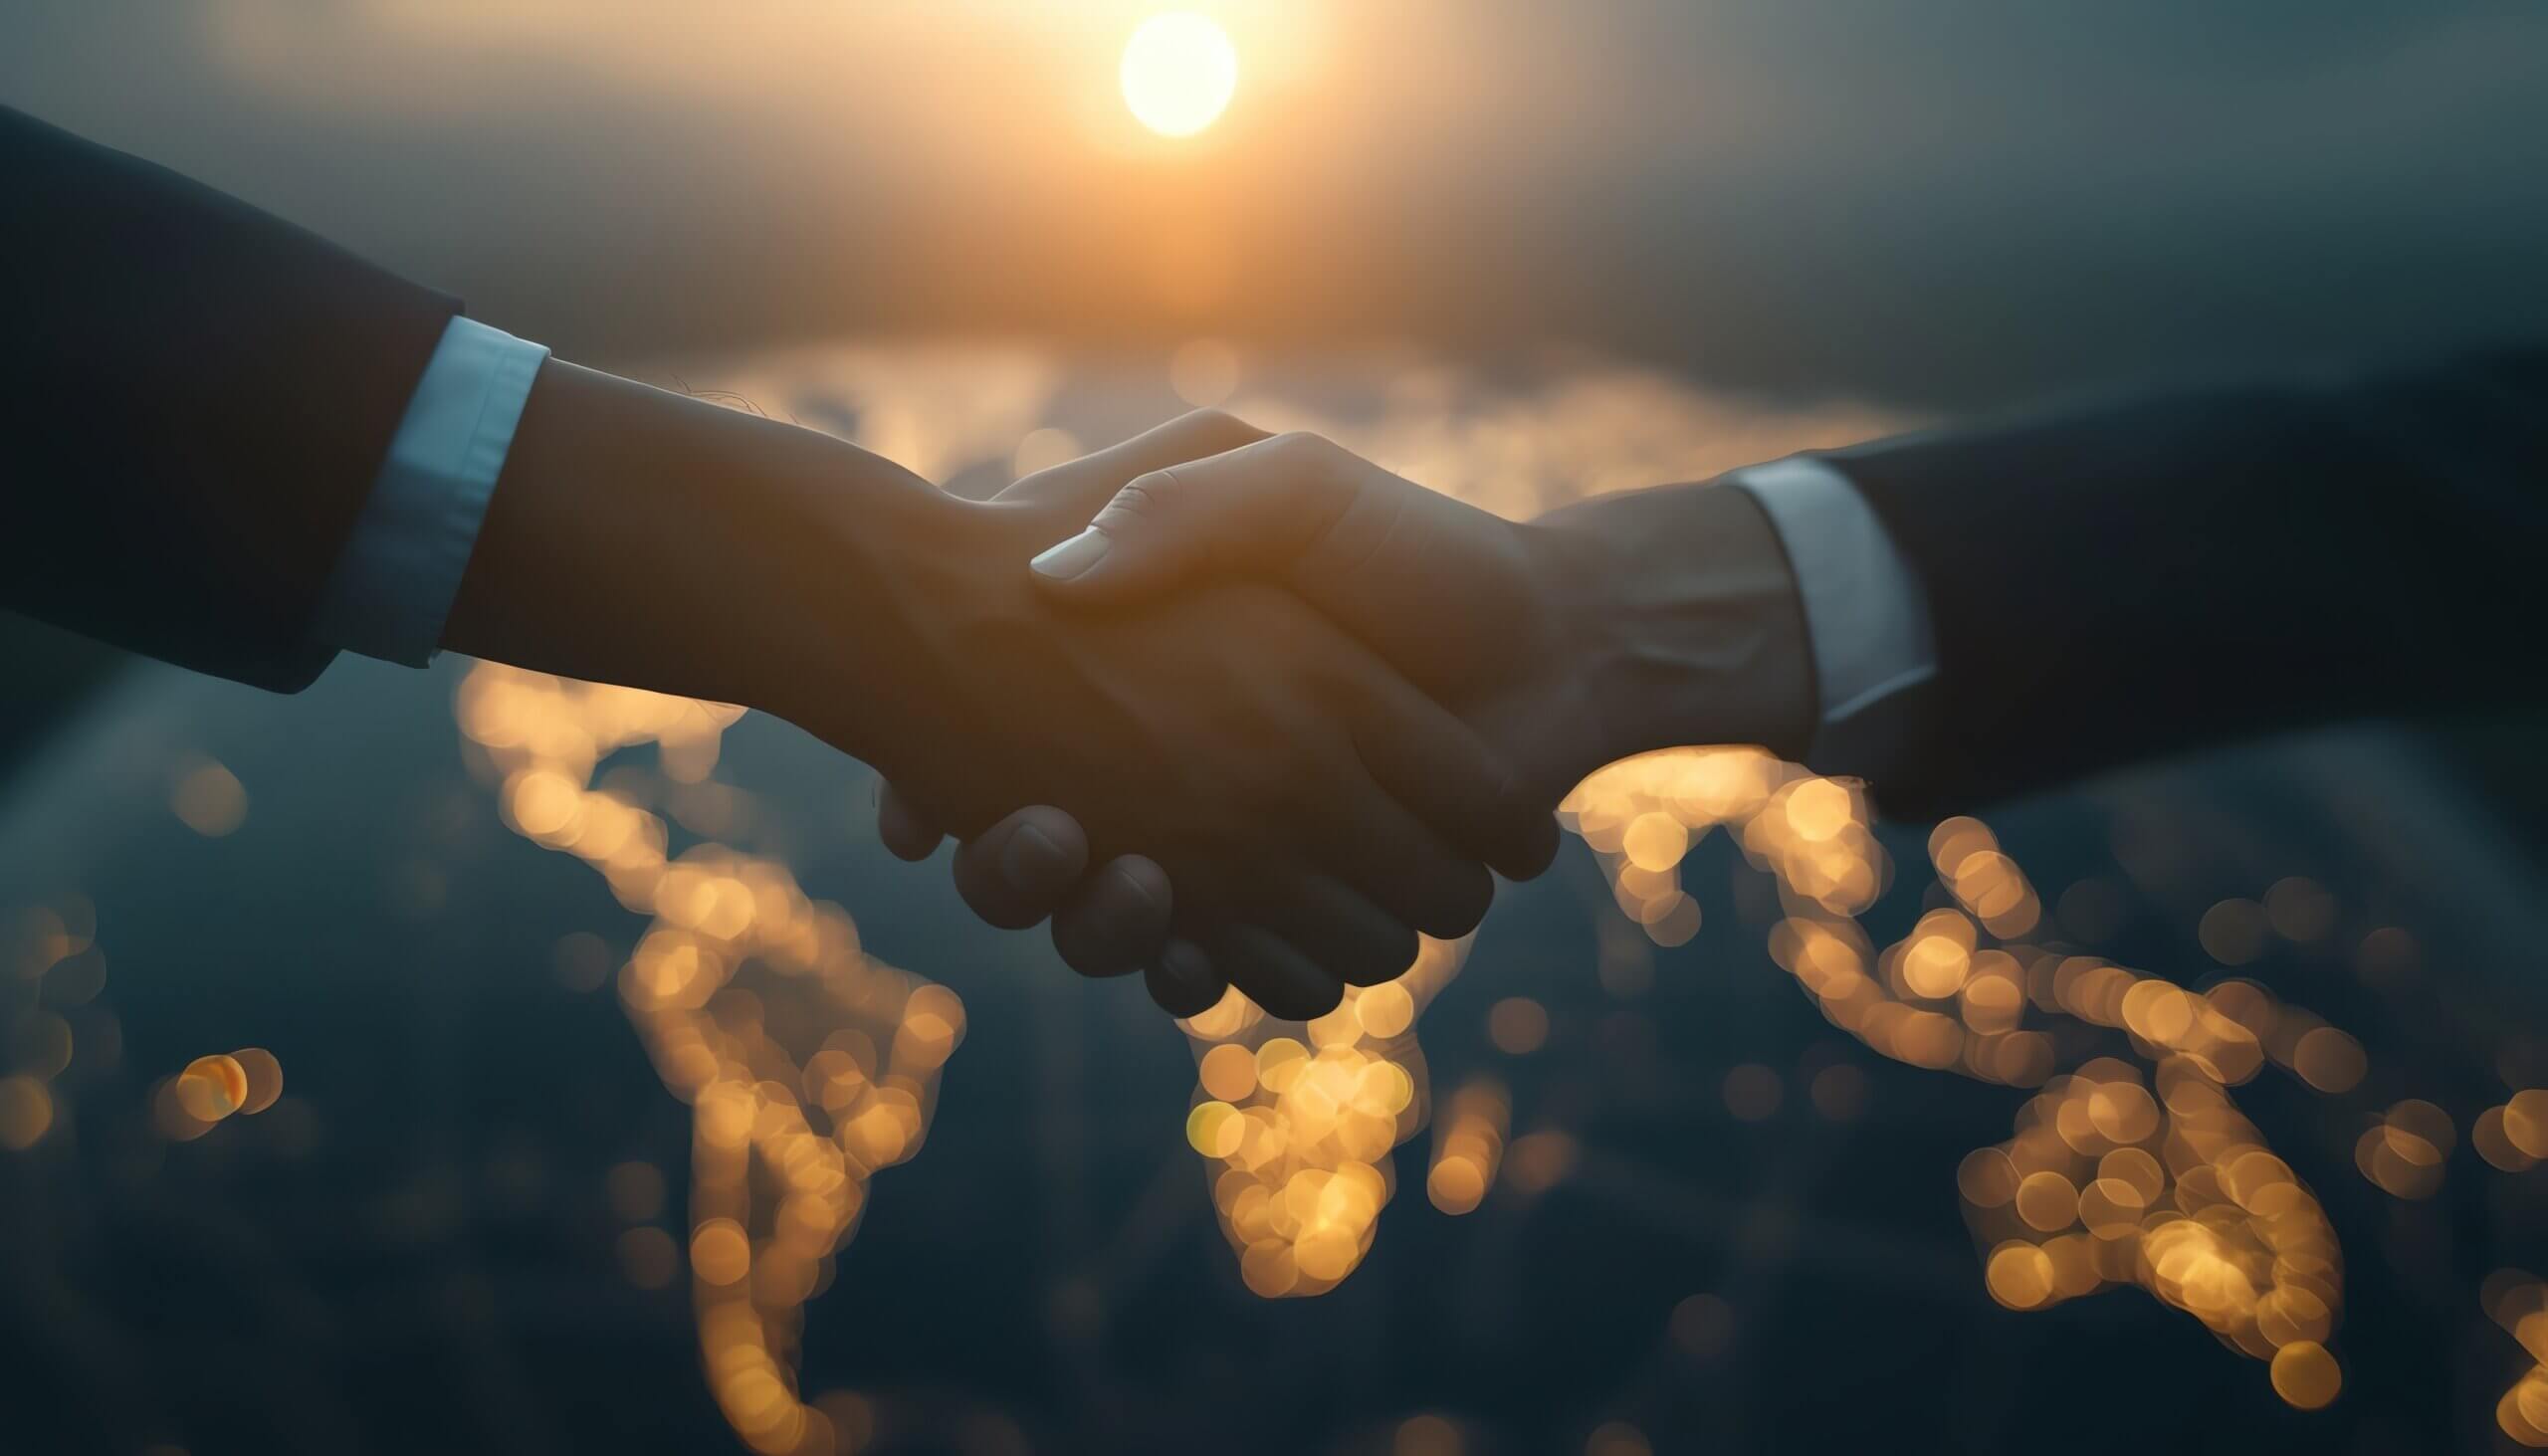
<point x="1937" y="206"/>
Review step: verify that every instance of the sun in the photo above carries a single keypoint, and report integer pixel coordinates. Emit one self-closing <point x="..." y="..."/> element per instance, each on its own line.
<point x="1178" y="71"/>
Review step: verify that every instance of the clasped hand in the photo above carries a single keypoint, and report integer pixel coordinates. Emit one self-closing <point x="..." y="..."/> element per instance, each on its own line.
<point x="1293" y="707"/>
<point x="1311" y="808"/>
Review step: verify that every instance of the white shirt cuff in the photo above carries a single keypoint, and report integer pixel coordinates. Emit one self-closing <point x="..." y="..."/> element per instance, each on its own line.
<point x="401" y="566"/>
<point x="1864" y="612"/>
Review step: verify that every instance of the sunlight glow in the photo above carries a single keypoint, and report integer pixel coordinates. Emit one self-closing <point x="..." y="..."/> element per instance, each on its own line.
<point x="1178" y="71"/>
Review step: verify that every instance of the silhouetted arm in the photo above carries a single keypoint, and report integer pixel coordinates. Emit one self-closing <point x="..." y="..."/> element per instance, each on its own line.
<point x="195" y="402"/>
<point x="2122" y="579"/>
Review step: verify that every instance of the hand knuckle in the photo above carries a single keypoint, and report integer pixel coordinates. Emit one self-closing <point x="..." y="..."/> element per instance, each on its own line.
<point x="1212" y="426"/>
<point x="1148" y="498"/>
<point x="1300" y="450"/>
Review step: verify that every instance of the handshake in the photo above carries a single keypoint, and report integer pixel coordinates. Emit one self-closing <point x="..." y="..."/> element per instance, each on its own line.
<point x="1243" y="709"/>
<point x="1231" y="709"/>
<point x="1246" y="711"/>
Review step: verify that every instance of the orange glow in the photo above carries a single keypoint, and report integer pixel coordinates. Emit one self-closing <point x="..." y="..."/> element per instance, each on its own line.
<point x="808" y="1066"/>
<point x="2128" y="1163"/>
<point x="1179" y="70"/>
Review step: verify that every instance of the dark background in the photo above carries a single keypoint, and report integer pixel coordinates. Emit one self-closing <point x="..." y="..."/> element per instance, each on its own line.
<point x="1877" y="212"/>
<point x="1949" y="202"/>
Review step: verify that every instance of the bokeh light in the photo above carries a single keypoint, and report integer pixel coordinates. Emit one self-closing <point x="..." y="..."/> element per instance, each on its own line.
<point x="808" y="1066"/>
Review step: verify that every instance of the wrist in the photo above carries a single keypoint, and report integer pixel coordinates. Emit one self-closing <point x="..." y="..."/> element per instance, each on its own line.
<point x="1679" y="607"/>
<point x="611" y="544"/>
<point x="653" y="541"/>
<point x="859" y="588"/>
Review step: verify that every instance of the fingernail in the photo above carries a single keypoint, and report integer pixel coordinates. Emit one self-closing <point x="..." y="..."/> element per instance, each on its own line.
<point x="1032" y="861"/>
<point x="1151" y="907"/>
<point x="1071" y="557"/>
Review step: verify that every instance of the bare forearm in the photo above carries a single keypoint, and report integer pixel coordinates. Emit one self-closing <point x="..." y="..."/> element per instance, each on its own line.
<point x="649" y="539"/>
<point x="1684" y="619"/>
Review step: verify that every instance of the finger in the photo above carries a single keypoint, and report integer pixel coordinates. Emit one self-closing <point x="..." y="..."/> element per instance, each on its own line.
<point x="1021" y="869"/>
<point x="1184" y="980"/>
<point x="908" y="832"/>
<point x="1341" y="931"/>
<point x="1099" y="474"/>
<point x="1361" y="834"/>
<point x="1117" y="920"/>
<point x="1256" y="508"/>
<point x="1447" y="776"/>
<point x="1275" y="974"/>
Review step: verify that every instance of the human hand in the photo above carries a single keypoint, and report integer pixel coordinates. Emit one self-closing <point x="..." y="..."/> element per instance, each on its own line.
<point x="1615" y="626"/>
<point x="1311" y="809"/>
<point x="1033" y="864"/>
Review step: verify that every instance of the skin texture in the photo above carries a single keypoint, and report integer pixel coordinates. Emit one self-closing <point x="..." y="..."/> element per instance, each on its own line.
<point x="1311" y="809"/>
<point x="1616" y="626"/>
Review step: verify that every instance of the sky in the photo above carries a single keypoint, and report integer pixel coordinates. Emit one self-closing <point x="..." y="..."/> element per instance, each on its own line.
<point x="1933" y="206"/>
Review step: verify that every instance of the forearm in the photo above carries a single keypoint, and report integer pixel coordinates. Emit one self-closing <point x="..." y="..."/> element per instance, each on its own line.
<point x="193" y="399"/>
<point x="653" y="541"/>
<point x="1682" y="620"/>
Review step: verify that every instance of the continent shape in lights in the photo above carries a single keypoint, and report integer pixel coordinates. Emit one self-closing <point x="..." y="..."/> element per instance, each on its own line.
<point x="1178" y="71"/>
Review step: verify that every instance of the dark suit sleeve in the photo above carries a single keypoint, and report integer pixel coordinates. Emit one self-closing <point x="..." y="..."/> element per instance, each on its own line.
<point x="2122" y="579"/>
<point x="194" y="400"/>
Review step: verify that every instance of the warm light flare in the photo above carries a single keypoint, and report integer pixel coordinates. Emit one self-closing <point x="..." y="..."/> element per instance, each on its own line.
<point x="1178" y="71"/>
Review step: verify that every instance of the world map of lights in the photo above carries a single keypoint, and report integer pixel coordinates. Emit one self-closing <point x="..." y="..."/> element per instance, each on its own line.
<point x="808" y="1067"/>
<point x="2131" y="1165"/>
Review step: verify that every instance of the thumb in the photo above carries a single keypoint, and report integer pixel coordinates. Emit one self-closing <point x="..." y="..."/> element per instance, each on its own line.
<point x="1253" y="511"/>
